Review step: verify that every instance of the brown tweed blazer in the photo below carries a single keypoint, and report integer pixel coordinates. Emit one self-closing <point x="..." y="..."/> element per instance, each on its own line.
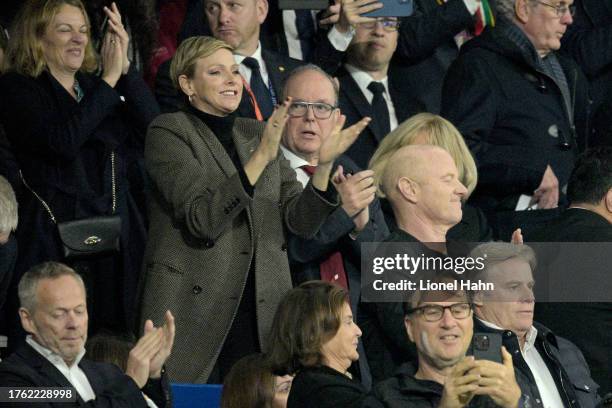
<point x="205" y="231"/>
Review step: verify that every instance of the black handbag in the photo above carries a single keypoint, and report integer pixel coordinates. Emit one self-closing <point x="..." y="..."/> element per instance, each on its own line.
<point x="88" y="236"/>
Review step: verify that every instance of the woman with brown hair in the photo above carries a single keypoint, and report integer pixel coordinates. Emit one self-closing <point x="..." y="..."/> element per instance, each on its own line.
<point x="251" y="384"/>
<point x="314" y="337"/>
<point x="75" y="136"/>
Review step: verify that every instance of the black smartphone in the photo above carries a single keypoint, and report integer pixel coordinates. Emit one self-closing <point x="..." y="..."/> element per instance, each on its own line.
<point x="487" y="346"/>
<point x="393" y="8"/>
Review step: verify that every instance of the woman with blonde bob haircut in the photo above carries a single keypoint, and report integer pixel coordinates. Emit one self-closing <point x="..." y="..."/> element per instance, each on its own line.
<point x="221" y="200"/>
<point x="430" y="129"/>
<point x="77" y="138"/>
<point x="314" y="336"/>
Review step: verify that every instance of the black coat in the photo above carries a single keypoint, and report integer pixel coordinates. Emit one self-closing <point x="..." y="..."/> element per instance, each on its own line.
<point x="324" y="387"/>
<point x="354" y="105"/>
<point x="587" y="325"/>
<point x="564" y="360"/>
<point x="171" y="99"/>
<point x="63" y="149"/>
<point x="113" y="389"/>
<point x="513" y="117"/>
<point x="473" y="226"/>
<point x="426" y="47"/>
<point x="587" y="40"/>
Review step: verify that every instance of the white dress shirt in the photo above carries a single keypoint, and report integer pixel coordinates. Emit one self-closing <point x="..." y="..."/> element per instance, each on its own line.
<point x="363" y="79"/>
<point x="296" y="162"/>
<point x="544" y="380"/>
<point x="75" y="376"/>
<point x="339" y="40"/>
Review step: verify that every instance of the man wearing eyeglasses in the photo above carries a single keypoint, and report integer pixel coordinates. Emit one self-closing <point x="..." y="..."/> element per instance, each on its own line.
<point x="441" y="326"/>
<point x="522" y="108"/>
<point x="550" y="370"/>
<point x="334" y="253"/>
<point x="369" y="88"/>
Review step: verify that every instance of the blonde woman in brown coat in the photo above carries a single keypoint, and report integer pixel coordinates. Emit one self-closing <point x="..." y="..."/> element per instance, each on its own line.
<point x="221" y="197"/>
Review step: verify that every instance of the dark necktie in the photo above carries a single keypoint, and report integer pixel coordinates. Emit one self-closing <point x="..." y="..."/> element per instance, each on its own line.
<point x="259" y="88"/>
<point x="306" y="32"/>
<point x="379" y="107"/>
<point x="332" y="267"/>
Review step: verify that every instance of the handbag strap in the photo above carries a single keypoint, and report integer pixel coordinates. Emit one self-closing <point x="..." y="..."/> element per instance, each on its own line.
<point x="44" y="203"/>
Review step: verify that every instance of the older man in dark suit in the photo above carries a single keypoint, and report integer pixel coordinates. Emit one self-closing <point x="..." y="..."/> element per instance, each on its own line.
<point x="334" y="253"/>
<point x="54" y="313"/>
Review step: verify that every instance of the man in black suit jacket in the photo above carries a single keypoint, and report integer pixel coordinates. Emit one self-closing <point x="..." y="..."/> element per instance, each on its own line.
<point x="368" y="87"/>
<point x="54" y="312"/>
<point x="588" y="219"/>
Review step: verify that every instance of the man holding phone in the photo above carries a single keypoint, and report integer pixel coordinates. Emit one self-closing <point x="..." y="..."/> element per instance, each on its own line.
<point x="550" y="370"/>
<point x="441" y="326"/>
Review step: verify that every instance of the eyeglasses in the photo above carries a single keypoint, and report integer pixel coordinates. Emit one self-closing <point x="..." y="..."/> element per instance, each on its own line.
<point x="434" y="313"/>
<point x="560" y="9"/>
<point x="389" y="24"/>
<point x="321" y="110"/>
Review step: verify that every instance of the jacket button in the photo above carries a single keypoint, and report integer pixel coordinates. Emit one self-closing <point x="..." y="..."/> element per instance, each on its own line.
<point x="197" y="289"/>
<point x="284" y="247"/>
<point x="226" y="210"/>
<point x="209" y="243"/>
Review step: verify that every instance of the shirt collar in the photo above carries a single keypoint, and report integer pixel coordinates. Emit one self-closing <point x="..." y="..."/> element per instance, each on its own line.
<point x="363" y="79"/>
<point x="257" y="55"/>
<point x="530" y="337"/>
<point x="52" y="356"/>
<point x="294" y="160"/>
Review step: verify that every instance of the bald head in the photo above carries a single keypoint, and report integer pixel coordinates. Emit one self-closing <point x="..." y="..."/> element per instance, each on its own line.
<point x="422" y="185"/>
<point x="413" y="162"/>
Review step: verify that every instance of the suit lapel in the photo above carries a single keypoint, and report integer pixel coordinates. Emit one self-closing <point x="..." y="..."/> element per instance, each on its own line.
<point x="245" y="109"/>
<point x="53" y="377"/>
<point x="349" y="87"/>
<point x="276" y="71"/>
<point x="400" y="100"/>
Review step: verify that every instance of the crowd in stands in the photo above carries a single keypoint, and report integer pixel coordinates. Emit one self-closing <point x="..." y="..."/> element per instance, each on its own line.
<point x="188" y="189"/>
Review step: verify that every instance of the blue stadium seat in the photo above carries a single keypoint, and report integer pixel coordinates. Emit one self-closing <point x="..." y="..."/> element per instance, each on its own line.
<point x="196" y="395"/>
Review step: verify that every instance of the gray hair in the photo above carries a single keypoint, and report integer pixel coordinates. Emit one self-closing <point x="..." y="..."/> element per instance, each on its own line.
<point x="311" y="67"/>
<point x="498" y="252"/>
<point x="48" y="270"/>
<point x="8" y="207"/>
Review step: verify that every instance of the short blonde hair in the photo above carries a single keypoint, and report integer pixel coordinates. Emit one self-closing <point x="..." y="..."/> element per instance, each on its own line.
<point x="25" y="52"/>
<point x="187" y="55"/>
<point x="438" y="132"/>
